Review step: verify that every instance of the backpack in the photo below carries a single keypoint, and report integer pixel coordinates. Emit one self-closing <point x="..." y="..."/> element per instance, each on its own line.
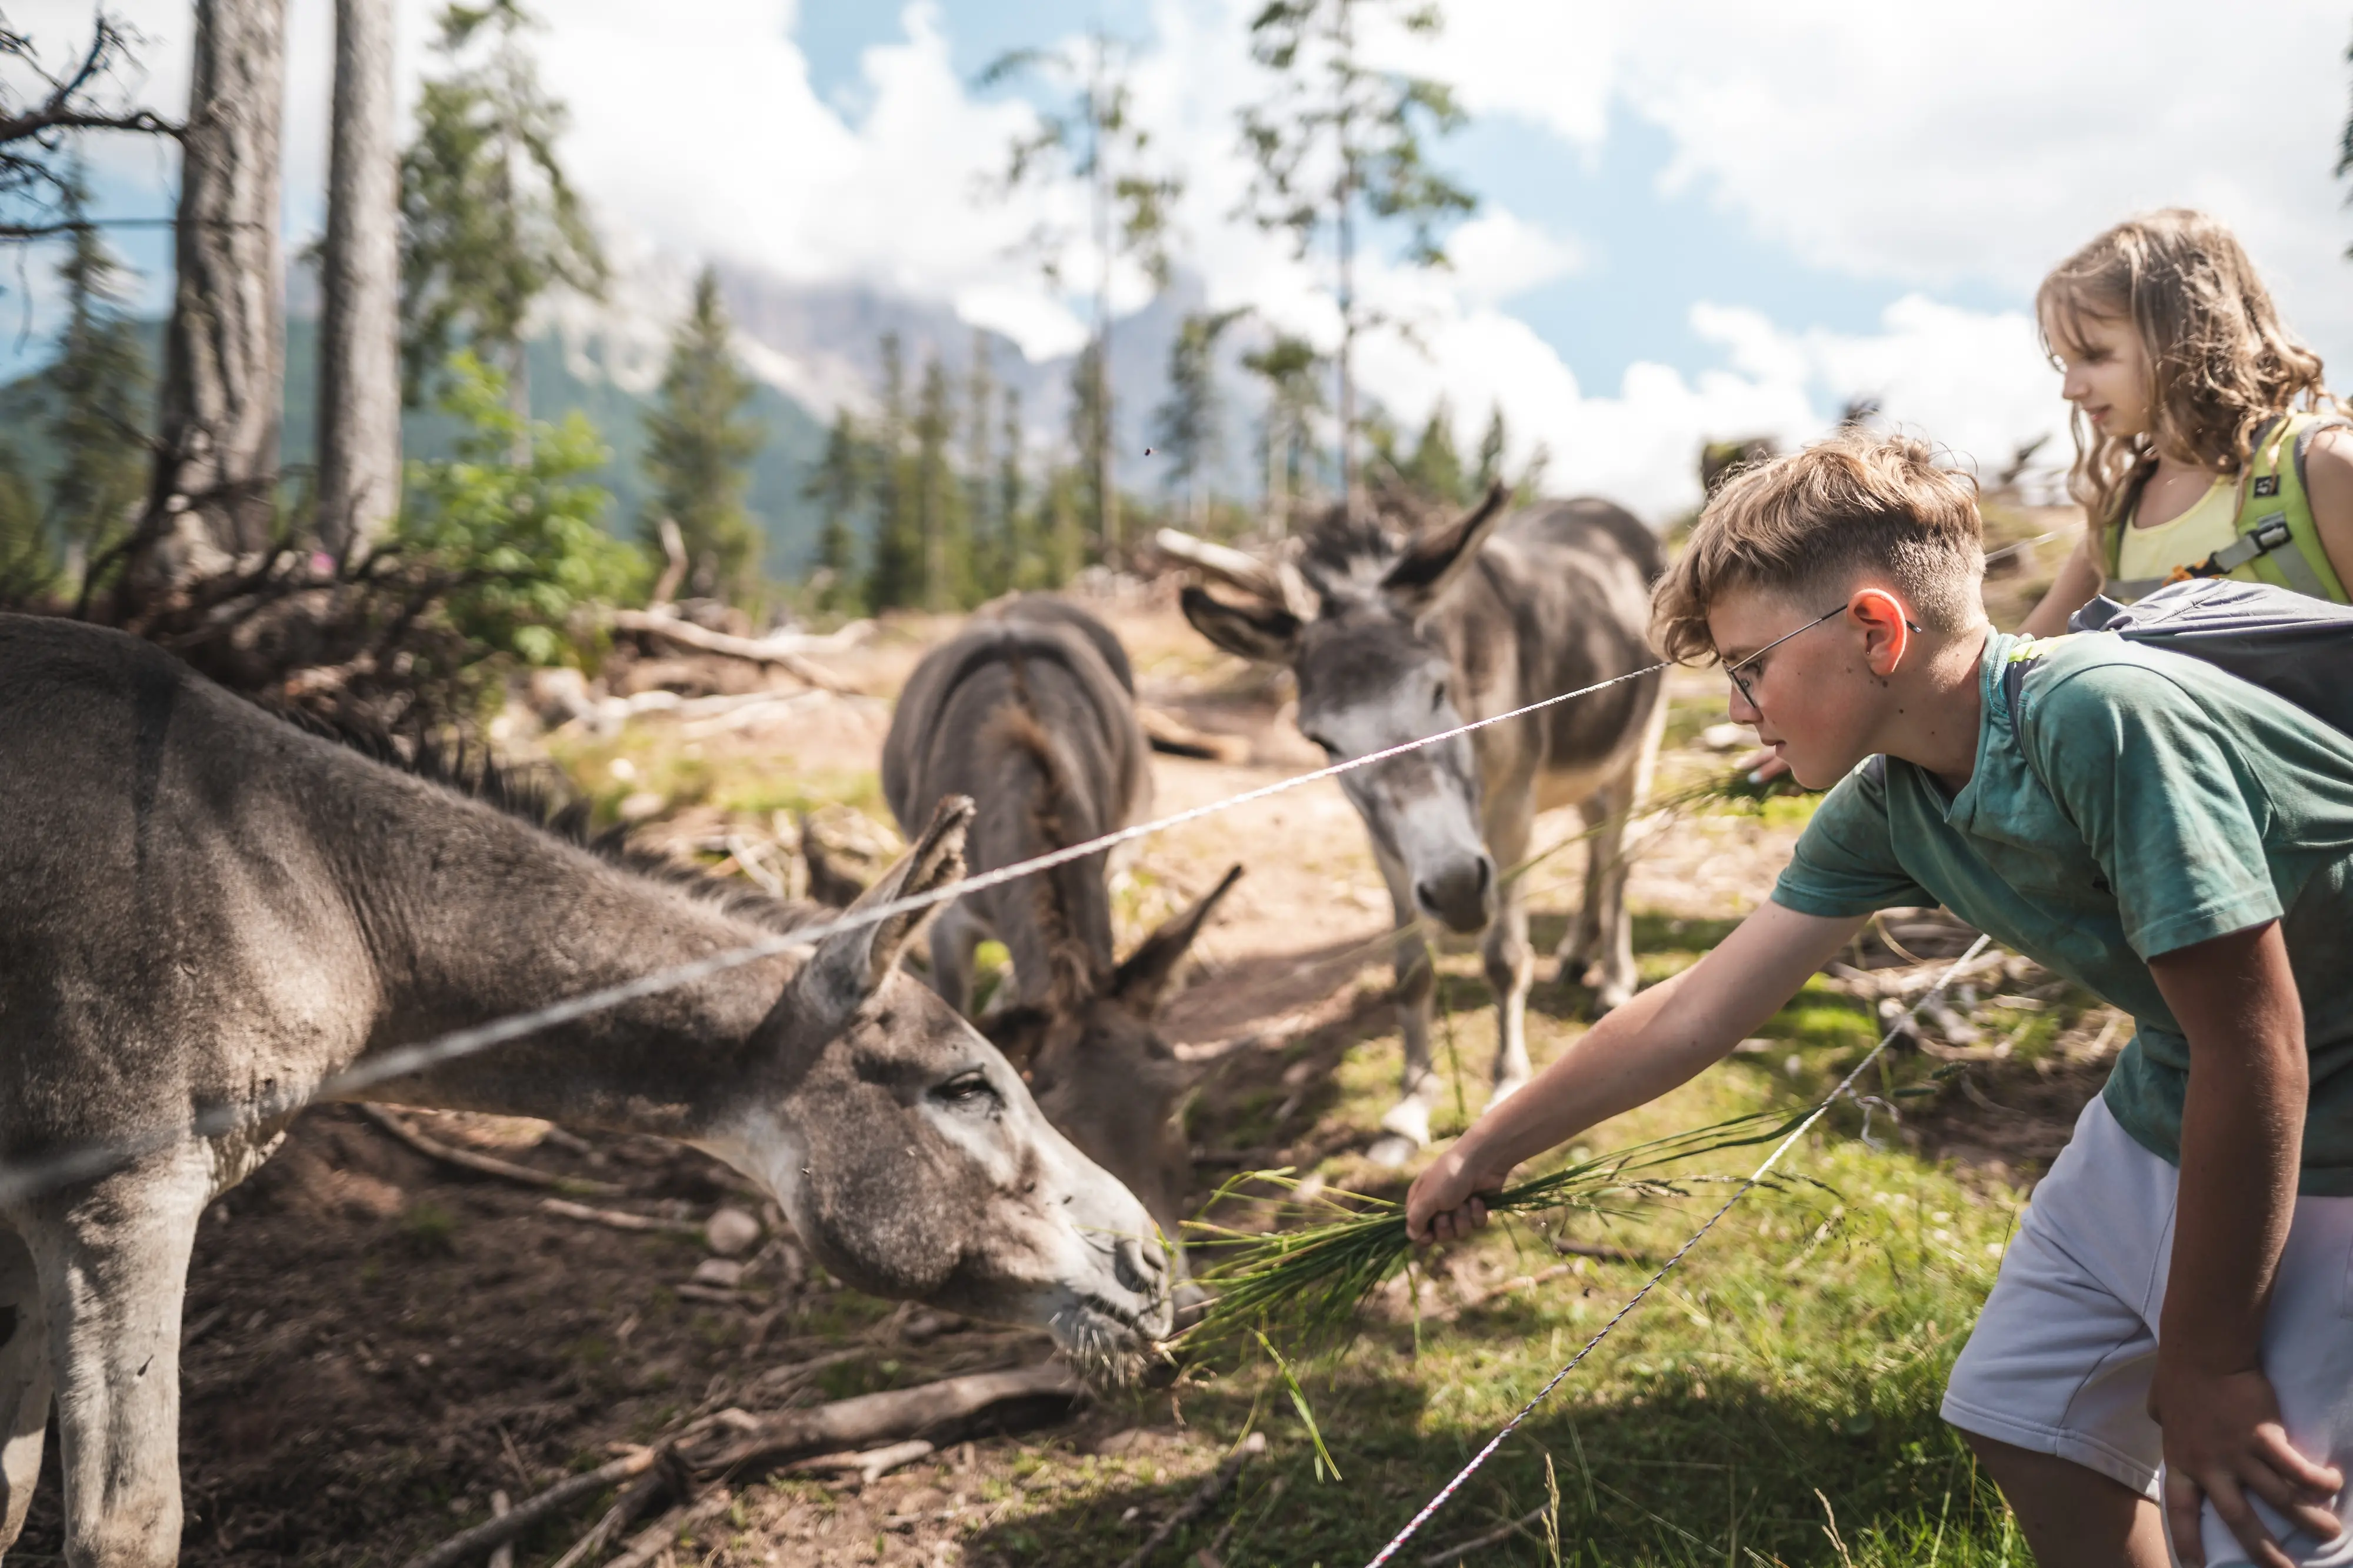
<point x="2277" y="542"/>
<point x="2291" y="644"/>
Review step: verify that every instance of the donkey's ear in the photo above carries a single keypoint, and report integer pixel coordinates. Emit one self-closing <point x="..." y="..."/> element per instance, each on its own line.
<point x="855" y="962"/>
<point x="1436" y="561"/>
<point x="1142" y="982"/>
<point x="1258" y="631"/>
<point x="1018" y="1032"/>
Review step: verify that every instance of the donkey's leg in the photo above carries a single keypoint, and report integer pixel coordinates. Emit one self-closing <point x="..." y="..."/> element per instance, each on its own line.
<point x="1406" y="1126"/>
<point x="957" y="935"/>
<point x="1510" y="961"/>
<point x="1599" y="946"/>
<point x="24" y="1383"/>
<point x="113" y="1258"/>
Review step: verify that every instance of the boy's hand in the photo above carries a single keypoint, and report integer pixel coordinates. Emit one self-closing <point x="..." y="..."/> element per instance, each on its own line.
<point x="1445" y="1204"/>
<point x="2223" y="1441"/>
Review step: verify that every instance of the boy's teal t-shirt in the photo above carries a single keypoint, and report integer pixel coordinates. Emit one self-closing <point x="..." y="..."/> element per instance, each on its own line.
<point x="2141" y="801"/>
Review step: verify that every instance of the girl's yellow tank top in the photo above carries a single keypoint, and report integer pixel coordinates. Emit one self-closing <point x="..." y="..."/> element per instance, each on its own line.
<point x="2210" y="523"/>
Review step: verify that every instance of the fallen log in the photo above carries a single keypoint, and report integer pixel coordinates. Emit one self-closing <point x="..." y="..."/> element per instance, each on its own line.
<point x="937" y="1411"/>
<point x="686" y="634"/>
<point x="485" y="1165"/>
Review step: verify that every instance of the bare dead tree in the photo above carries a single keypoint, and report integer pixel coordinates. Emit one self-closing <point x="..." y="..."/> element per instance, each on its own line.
<point x="40" y="107"/>
<point x="359" y="340"/>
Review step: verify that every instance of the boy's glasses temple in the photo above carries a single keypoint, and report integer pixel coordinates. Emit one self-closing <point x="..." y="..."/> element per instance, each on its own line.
<point x="1733" y="670"/>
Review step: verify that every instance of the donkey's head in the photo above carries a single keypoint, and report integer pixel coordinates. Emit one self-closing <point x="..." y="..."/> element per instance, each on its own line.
<point x="914" y="1161"/>
<point x="1103" y="1074"/>
<point x="1353" y="618"/>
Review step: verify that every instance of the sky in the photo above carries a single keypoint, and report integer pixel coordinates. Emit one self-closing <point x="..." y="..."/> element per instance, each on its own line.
<point x="1721" y="221"/>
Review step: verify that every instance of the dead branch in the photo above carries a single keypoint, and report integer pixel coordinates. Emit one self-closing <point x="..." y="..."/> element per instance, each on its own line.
<point x="933" y="1410"/>
<point x="501" y="1506"/>
<point x="1496" y="1536"/>
<point x="686" y="634"/>
<point x="467" y="1545"/>
<point x="634" y="1501"/>
<point x="649" y="1543"/>
<point x="869" y="1466"/>
<point x="617" y="1220"/>
<point x="485" y="1165"/>
<point x="1203" y="1495"/>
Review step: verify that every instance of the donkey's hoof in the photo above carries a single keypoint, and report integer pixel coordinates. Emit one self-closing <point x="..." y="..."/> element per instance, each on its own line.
<point x="1409" y="1119"/>
<point x="1391" y="1152"/>
<point x="1610" y="995"/>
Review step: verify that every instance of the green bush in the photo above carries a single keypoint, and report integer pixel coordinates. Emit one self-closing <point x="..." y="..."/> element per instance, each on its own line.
<point x="521" y="543"/>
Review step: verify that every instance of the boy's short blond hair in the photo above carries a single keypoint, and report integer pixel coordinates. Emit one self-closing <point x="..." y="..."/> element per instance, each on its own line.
<point x="1857" y="506"/>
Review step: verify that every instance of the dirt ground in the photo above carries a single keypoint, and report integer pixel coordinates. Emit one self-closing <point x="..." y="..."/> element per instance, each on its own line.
<point x="378" y="1340"/>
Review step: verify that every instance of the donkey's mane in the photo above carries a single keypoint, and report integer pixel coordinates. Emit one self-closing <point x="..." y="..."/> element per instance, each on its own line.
<point x="533" y="795"/>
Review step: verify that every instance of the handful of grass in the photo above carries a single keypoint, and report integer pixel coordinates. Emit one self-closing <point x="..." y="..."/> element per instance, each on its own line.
<point x="1307" y="1282"/>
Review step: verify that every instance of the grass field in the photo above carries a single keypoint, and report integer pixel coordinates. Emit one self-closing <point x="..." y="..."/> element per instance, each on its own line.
<point x="1773" y="1402"/>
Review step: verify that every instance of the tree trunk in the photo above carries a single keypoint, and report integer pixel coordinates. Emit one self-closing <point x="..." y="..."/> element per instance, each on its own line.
<point x="224" y="350"/>
<point x="359" y="337"/>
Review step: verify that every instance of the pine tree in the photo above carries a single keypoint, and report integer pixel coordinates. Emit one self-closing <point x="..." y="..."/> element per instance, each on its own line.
<point x="1188" y="426"/>
<point x="1436" y="468"/>
<point x="898" y="574"/>
<point x="99" y="378"/>
<point x="1294" y="398"/>
<point x="489" y="221"/>
<point x="939" y="496"/>
<point x="1490" y="451"/>
<point x="1016" y="541"/>
<point x="699" y="448"/>
<point x="1089" y="432"/>
<point x="1094" y="141"/>
<point x="839" y="486"/>
<point x="986" y="571"/>
<point x="28" y="565"/>
<point x="1338" y="144"/>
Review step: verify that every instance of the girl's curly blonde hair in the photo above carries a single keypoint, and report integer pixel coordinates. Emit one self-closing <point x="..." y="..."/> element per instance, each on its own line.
<point x="2220" y="362"/>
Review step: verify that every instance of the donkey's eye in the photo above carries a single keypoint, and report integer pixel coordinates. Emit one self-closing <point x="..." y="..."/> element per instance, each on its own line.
<point x="1326" y="747"/>
<point x="1438" y="697"/>
<point x="967" y="1088"/>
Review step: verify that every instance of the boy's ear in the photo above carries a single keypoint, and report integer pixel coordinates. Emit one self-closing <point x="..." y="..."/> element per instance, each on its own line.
<point x="1886" y="629"/>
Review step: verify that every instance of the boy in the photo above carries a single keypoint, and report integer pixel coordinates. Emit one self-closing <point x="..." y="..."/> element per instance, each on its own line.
<point x="2176" y="840"/>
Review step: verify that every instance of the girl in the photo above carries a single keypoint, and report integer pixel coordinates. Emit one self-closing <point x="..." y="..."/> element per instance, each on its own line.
<point x="2205" y="442"/>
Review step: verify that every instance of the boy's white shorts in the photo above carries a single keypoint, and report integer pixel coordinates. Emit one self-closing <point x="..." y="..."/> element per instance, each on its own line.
<point x="2060" y="1361"/>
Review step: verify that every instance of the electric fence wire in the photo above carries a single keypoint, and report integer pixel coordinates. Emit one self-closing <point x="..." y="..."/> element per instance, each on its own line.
<point x="1845" y="1087"/>
<point x="21" y="1179"/>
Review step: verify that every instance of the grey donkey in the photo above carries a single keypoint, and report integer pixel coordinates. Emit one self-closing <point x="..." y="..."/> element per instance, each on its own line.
<point x="1393" y="637"/>
<point x="203" y="908"/>
<point x="1030" y="711"/>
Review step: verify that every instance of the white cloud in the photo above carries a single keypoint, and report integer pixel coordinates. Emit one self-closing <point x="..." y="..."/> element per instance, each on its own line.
<point x="1497" y="255"/>
<point x="1936" y="147"/>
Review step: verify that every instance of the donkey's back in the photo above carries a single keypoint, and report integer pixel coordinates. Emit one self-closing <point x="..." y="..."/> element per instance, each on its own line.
<point x="164" y="891"/>
<point x="1571" y="580"/>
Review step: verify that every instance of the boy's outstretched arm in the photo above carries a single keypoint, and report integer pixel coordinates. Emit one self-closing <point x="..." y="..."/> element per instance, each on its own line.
<point x="2242" y="1141"/>
<point x="1661" y="1038"/>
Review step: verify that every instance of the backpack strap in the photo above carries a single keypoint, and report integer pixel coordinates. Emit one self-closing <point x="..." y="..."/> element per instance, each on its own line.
<point x="2269" y="510"/>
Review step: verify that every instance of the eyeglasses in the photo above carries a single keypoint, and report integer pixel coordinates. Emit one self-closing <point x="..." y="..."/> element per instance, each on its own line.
<point x="1748" y="692"/>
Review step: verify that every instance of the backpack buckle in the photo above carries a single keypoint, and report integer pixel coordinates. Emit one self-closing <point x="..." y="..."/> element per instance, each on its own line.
<point x="2272" y="532"/>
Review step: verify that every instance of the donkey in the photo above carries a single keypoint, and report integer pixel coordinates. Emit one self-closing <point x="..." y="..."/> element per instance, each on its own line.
<point x="1030" y="711"/>
<point x="205" y="909"/>
<point x="1391" y="639"/>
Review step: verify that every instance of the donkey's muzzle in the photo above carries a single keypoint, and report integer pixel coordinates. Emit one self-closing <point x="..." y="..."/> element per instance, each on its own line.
<point x="1141" y="1268"/>
<point x="1461" y="896"/>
